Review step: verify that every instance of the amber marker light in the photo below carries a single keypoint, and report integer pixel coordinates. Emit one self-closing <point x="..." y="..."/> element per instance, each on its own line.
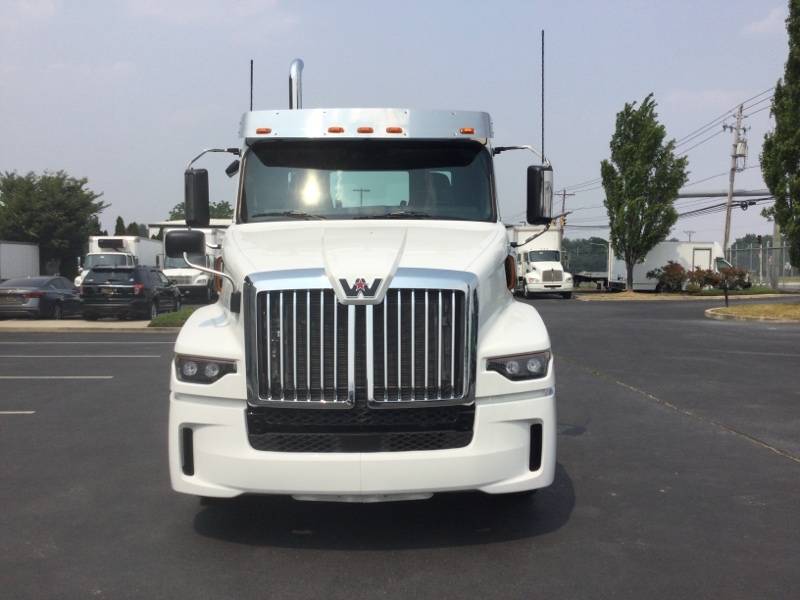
<point x="467" y="130"/>
<point x="365" y="130"/>
<point x="394" y="130"/>
<point x="335" y="129"/>
<point x="263" y="130"/>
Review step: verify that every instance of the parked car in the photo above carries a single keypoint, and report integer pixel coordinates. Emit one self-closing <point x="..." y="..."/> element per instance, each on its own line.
<point x="39" y="297"/>
<point x="127" y="291"/>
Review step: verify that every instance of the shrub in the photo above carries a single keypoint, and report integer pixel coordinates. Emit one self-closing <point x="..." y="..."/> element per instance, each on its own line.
<point x="734" y="277"/>
<point x="671" y="277"/>
<point x="702" y="278"/>
<point x="693" y="288"/>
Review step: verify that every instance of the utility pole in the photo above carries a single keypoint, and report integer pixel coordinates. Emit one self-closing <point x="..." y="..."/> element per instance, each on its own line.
<point x="564" y="195"/>
<point x="739" y="151"/>
<point x="689" y="233"/>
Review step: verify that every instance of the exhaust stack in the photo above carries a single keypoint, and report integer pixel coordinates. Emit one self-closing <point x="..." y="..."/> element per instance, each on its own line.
<point x="296" y="84"/>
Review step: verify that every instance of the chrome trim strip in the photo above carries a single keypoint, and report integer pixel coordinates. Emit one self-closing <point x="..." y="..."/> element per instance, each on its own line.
<point x="269" y="349"/>
<point x="280" y="333"/>
<point x="439" y="357"/>
<point x="322" y="344"/>
<point x="385" y="354"/>
<point x="294" y="342"/>
<point x="308" y="344"/>
<point x="399" y="347"/>
<point x="351" y="354"/>
<point x="452" y="343"/>
<point x="335" y="349"/>
<point x="425" y="383"/>
<point x="370" y="351"/>
<point x="413" y="344"/>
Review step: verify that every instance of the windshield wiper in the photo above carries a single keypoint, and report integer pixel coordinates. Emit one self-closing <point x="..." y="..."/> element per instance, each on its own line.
<point x="294" y="214"/>
<point x="401" y="214"/>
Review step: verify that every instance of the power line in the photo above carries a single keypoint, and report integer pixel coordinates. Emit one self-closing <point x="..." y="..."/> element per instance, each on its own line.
<point x="700" y="143"/>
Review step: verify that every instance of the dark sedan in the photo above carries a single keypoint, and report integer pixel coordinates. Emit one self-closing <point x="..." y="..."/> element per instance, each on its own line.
<point x="138" y="292"/>
<point x="39" y="297"/>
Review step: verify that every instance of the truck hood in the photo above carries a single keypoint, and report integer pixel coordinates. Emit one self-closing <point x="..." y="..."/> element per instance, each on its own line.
<point x="547" y="266"/>
<point x="360" y="250"/>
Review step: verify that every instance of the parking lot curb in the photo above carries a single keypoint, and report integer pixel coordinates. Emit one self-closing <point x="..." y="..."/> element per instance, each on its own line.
<point x="677" y="298"/>
<point x="713" y="313"/>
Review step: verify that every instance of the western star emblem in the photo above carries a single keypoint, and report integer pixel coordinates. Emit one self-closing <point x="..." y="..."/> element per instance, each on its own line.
<point x="360" y="288"/>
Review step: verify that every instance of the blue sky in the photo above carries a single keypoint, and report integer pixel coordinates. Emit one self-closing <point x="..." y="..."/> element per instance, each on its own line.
<point x="125" y="92"/>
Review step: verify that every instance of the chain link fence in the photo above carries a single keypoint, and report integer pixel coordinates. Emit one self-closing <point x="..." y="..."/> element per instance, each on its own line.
<point x="767" y="265"/>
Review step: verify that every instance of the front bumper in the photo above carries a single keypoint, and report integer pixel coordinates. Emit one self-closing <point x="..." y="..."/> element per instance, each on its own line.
<point x="194" y="291"/>
<point x="496" y="461"/>
<point x="545" y="287"/>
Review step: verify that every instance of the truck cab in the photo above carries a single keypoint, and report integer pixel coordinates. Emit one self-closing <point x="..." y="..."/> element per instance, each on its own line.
<point x="540" y="268"/>
<point x="366" y="345"/>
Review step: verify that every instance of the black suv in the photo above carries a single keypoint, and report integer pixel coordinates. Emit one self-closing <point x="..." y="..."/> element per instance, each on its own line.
<point x="127" y="292"/>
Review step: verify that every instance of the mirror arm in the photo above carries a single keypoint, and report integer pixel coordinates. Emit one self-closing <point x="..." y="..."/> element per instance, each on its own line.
<point x="228" y="150"/>
<point x="500" y="149"/>
<point x="535" y="235"/>
<point x="210" y="271"/>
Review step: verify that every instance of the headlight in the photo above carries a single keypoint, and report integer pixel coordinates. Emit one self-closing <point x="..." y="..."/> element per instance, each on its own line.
<point x="532" y="278"/>
<point x="568" y="277"/>
<point x="521" y="366"/>
<point x="195" y="369"/>
<point x="201" y="280"/>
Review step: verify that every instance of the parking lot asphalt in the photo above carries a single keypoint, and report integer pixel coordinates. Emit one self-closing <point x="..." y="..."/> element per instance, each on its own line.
<point x="678" y="477"/>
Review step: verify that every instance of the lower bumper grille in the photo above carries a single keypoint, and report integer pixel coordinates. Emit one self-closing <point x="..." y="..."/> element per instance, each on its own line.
<point x="360" y="429"/>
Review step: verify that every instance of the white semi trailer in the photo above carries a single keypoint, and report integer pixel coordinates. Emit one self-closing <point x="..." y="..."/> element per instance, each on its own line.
<point x="118" y="250"/>
<point x="18" y="259"/>
<point x="690" y="255"/>
<point x="366" y="345"/>
<point x="539" y="266"/>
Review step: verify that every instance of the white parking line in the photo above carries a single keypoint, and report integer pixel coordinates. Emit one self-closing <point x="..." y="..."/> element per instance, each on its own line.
<point x="56" y="377"/>
<point x="80" y="356"/>
<point x="17" y="412"/>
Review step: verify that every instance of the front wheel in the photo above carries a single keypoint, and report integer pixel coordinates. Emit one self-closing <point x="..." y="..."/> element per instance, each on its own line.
<point x="58" y="312"/>
<point x="177" y="303"/>
<point x="153" y="310"/>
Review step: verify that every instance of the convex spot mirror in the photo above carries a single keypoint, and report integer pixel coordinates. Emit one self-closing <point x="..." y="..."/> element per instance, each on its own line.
<point x="540" y="194"/>
<point x="189" y="241"/>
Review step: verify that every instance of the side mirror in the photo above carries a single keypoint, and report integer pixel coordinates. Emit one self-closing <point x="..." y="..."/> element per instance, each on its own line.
<point x="189" y="241"/>
<point x="540" y="194"/>
<point x="196" y="198"/>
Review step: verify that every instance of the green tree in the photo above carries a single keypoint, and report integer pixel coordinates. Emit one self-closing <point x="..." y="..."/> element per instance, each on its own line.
<point x="217" y="210"/>
<point x="780" y="155"/>
<point x="53" y="210"/>
<point x="119" y="226"/>
<point x="641" y="180"/>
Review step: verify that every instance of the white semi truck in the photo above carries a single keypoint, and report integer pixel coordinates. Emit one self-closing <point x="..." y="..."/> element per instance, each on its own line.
<point x="118" y="250"/>
<point x="366" y="345"/>
<point x="194" y="283"/>
<point x="538" y="256"/>
<point x="690" y="255"/>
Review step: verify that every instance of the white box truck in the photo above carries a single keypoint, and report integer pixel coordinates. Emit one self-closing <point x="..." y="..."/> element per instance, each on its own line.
<point x="18" y="259"/>
<point x="366" y="345"/>
<point x="690" y="255"/>
<point x="118" y="250"/>
<point x="538" y="256"/>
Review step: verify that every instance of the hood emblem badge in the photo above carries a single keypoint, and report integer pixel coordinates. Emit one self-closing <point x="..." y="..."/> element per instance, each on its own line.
<point x="360" y="288"/>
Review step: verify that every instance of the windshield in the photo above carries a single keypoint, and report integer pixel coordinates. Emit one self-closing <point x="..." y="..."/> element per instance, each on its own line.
<point x="111" y="260"/>
<point x="110" y="275"/>
<point x="352" y="179"/>
<point x="544" y="256"/>
<point x="179" y="263"/>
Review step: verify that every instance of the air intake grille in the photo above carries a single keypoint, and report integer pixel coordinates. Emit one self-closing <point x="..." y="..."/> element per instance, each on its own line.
<point x="552" y="275"/>
<point x="412" y="347"/>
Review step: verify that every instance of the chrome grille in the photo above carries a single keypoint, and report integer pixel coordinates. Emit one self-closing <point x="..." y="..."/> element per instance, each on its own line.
<point x="181" y="279"/>
<point x="416" y="345"/>
<point x="552" y="275"/>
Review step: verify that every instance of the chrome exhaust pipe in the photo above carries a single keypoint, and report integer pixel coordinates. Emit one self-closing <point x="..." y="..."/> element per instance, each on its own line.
<point x="296" y="84"/>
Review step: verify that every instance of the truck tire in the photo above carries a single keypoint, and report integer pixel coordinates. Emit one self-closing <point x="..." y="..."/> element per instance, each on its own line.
<point x="566" y="295"/>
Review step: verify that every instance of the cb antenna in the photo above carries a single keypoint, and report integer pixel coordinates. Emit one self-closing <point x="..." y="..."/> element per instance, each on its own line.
<point x="251" y="84"/>
<point x="543" y="153"/>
